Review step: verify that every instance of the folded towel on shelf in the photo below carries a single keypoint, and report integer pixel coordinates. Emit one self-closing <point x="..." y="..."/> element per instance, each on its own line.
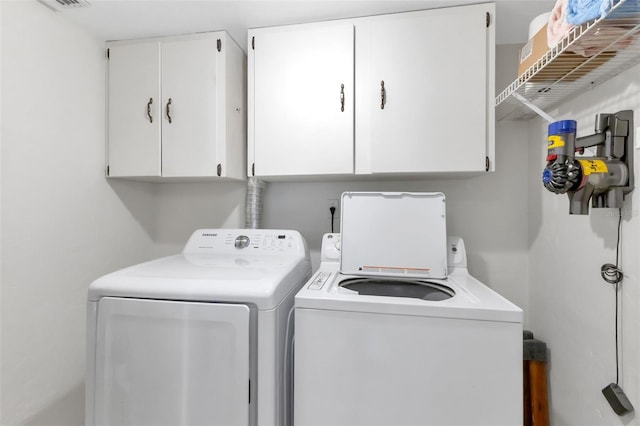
<point x="558" y="27"/>
<point x="581" y="11"/>
<point x="607" y="38"/>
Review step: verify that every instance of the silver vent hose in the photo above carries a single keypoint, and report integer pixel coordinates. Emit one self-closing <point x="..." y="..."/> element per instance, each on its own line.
<point x="254" y="203"/>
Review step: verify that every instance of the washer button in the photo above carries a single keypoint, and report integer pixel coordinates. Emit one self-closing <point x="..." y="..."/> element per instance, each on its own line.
<point x="319" y="281"/>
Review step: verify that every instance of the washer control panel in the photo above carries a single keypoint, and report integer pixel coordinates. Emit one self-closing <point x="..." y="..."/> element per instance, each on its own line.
<point x="246" y="241"/>
<point x="242" y="241"/>
<point x="262" y="241"/>
<point x="319" y="281"/>
<point x="456" y="252"/>
<point x="330" y="248"/>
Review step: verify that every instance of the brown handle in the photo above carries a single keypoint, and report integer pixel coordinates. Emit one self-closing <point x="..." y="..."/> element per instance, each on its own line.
<point x="169" y="110"/>
<point x="149" y="110"/>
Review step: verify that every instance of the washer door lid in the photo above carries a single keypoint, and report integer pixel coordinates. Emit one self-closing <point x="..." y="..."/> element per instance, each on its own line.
<point x="399" y="234"/>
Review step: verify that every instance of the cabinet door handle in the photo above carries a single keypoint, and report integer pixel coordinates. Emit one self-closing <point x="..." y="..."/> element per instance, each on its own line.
<point x="383" y="95"/>
<point x="149" y="110"/>
<point x="342" y="97"/>
<point x="169" y="110"/>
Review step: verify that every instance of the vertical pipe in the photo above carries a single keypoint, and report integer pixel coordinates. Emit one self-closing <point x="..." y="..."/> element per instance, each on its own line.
<point x="254" y="203"/>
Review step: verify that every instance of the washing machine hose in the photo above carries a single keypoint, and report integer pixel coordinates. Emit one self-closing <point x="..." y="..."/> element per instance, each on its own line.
<point x="287" y="375"/>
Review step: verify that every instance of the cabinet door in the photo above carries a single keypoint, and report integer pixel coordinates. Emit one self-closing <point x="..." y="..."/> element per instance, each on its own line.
<point x="189" y="107"/>
<point x="302" y="100"/>
<point x="134" y="110"/>
<point x="164" y="362"/>
<point x="422" y="93"/>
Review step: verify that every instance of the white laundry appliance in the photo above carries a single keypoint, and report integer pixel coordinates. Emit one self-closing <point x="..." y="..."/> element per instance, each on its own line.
<point x="392" y="329"/>
<point x="198" y="338"/>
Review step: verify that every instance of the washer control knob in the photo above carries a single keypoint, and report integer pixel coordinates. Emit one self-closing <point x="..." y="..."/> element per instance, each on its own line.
<point x="242" y="241"/>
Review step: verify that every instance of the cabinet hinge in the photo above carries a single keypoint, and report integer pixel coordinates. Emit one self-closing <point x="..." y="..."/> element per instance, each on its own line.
<point x="487" y="164"/>
<point x="253" y="43"/>
<point x="488" y="19"/>
<point x="219" y="42"/>
<point x="108" y="53"/>
<point x="219" y="169"/>
<point x="107" y="170"/>
<point x="253" y="169"/>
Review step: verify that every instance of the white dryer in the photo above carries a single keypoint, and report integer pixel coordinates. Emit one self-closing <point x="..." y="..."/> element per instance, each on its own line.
<point x="198" y="338"/>
<point x="386" y="336"/>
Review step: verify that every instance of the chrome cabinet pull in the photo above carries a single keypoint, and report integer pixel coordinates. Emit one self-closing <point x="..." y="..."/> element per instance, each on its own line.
<point x="149" y="110"/>
<point x="169" y="110"/>
<point x="342" y="97"/>
<point x="383" y="95"/>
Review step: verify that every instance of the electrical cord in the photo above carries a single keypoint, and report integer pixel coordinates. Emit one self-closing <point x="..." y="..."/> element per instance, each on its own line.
<point x="612" y="274"/>
<point x="617" y="345"/>
<point x="332" y="209"/>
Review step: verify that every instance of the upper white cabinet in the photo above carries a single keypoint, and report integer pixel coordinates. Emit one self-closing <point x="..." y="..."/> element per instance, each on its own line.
<point x="176" y="108"/>
<point x="423" y="91"/>
<point x="419" y="98"/>
<point x="301" y="105"/>
<point x="134" y="110"/>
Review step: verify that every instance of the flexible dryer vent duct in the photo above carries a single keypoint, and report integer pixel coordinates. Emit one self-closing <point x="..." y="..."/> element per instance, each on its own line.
<point x="253" y="212"/>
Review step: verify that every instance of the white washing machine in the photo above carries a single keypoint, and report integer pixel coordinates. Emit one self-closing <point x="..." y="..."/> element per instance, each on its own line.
<point x="198" y="338"/>
<point x="392" y="329"/>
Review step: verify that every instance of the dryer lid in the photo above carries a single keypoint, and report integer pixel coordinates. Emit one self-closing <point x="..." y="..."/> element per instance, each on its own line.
<point x="394" y="234"/>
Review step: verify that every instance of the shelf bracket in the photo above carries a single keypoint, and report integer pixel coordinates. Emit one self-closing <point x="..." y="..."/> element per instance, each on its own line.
<point x="532" y="107"/>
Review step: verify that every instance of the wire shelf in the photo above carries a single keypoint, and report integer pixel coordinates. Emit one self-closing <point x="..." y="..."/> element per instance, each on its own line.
<point x="612" y="44"/>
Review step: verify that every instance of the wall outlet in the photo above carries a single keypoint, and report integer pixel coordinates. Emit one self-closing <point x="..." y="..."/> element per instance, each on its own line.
<point x="333" y="202"/>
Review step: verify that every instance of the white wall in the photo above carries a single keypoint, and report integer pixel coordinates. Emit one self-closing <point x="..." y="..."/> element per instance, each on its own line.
<point x="63" y="225"/>
<point x="572" y="308"/>
<point x="181" y="208"/>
